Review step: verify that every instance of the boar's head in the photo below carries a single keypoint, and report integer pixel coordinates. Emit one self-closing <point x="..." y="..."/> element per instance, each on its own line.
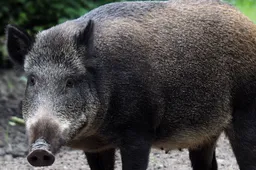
<point x="61" y="100"/>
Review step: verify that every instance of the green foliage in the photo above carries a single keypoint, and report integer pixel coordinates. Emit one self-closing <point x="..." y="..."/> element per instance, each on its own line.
<point x="248" y="7"/>
<point x="36" y="15"/>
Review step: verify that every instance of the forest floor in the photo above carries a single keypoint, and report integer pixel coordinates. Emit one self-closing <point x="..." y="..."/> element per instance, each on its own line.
<point x="13" y="140"/>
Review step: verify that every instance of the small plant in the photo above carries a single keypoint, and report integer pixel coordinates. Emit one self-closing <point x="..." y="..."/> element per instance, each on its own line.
<point x="16" y="120"/>
<point x="6" y="135"/>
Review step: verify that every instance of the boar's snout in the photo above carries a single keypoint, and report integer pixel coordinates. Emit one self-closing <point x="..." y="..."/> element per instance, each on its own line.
<point x="40" y="157"/>
<point x="40" y="154"/>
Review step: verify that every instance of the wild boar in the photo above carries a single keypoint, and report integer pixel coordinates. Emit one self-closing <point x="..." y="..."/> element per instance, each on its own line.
<point x="137" y="75"/>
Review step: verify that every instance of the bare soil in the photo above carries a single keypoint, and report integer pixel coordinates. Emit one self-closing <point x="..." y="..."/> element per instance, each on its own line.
<point x="13" y="141"/>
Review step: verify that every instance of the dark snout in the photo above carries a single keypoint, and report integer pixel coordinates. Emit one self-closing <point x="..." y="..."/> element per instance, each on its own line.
<point x="40" y="154"/>
<point x="46" y="138"/>
<point x="41" y="157"/>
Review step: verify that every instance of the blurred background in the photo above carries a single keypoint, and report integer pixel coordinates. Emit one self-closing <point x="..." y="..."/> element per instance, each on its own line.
<point x="36" y="15"/>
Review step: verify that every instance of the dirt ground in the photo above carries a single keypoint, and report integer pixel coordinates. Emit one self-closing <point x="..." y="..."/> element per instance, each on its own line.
<point x="13" y="141"/>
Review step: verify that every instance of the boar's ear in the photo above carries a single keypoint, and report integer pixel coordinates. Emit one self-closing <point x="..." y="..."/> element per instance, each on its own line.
<point x="18" y="44"/>
<point x="84" y="35"/>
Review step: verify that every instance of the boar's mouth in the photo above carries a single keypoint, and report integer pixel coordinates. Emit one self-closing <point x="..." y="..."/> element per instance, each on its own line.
<point x="40" y="154"/>
<point x="81" y="132"/>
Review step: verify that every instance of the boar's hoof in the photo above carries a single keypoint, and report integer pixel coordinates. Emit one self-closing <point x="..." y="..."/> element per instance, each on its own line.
<point x="40" y="157"/>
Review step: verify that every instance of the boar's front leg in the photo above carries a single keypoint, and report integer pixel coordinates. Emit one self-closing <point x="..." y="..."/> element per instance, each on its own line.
<point x="135" y="156"/>
<point x="104" y="160"/>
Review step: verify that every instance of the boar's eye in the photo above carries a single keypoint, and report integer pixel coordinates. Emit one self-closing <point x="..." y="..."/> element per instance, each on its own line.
<point x="31" y="80"/>
<point x="70" y="83"/>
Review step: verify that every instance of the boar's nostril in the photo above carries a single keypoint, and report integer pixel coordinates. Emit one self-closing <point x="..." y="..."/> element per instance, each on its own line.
<point x="46" y="158"/>
<point x="34" y="158"/>
<point x="40" y="157"/>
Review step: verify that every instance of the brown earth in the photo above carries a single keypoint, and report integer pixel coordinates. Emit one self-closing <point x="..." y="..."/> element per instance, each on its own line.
<point x="13" y="141"/>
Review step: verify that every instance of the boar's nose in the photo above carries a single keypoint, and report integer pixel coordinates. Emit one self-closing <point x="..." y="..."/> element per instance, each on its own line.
<point x="40" y="154"/>
<point x="40" y="157"/>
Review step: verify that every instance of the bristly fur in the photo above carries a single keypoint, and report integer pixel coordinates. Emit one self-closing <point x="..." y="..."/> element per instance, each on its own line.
<point x="148" y="74"/>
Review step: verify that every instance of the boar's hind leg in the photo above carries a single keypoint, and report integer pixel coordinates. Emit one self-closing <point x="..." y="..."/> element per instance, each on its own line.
<point x="242" y="136"/>
<point x="203" y="157"/>
<point x="102" y="160"/>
